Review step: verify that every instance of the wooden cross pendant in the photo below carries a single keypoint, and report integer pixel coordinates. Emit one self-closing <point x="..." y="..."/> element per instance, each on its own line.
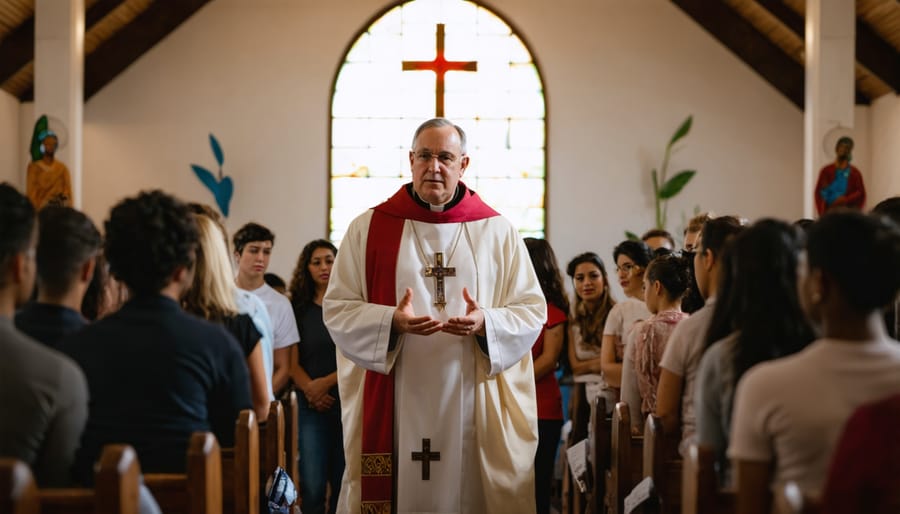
<point x="438" y="271"/>
<point x="426" y="456"/>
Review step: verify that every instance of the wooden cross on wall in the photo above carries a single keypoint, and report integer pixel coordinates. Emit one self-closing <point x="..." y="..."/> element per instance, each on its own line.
<point x="440" y="66"/>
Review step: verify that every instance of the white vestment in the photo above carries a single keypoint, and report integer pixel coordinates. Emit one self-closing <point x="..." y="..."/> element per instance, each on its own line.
<point x="479" y="411"/>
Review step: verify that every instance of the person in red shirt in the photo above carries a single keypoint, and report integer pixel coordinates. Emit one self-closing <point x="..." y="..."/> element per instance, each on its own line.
<point x="840" y="184"/>
<point x="545" y="352"/>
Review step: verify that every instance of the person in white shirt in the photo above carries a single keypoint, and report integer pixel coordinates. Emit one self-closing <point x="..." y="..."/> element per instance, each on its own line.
<point x="632" y="258"/>
<point x="253" y="248"/>
<point x="675" y="394"/>
<point x="790" y="412"/>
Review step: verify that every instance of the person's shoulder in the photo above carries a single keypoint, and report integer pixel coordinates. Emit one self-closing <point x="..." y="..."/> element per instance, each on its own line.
<point x="555" y="315"/>
<point x="55" y="366"/>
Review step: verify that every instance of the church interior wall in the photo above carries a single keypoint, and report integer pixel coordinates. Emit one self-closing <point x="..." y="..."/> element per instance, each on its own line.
<point x="885" y="142"/>
<point x="619" y="77"/>
<point x="9" y="138"/>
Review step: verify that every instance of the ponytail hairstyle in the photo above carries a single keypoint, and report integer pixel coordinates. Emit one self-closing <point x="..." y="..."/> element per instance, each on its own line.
<point x="672" y="271"/>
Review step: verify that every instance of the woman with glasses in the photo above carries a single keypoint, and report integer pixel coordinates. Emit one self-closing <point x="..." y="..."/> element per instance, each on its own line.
<point x="632" y="258"/>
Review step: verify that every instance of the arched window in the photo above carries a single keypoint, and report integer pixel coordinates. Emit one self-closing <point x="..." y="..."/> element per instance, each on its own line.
<point x="427" y="58"/>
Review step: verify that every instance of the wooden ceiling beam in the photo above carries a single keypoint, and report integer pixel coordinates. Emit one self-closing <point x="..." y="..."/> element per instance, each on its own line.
<point x="877" y="55"/>
<point x="873" y="52"/>
<point x="17" y="49"/>
<point x="127" y="45"/>
<point x="757" y="51"/>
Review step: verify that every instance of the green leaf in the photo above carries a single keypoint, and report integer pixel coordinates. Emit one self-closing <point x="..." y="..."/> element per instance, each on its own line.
<point x="631" y="236"/>
<point x="682" y="130"/>
<point x="675" y="184"/>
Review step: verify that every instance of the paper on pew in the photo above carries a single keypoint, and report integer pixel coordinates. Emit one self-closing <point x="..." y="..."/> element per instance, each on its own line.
<point x="576" y="455"/>
<point x="639" y="494"/>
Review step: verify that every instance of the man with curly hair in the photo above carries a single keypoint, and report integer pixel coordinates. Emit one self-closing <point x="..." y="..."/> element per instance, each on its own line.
<point x="155" y="373"/>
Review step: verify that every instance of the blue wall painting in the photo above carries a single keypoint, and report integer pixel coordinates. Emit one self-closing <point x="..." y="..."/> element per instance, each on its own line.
<point x="222" y="187"/>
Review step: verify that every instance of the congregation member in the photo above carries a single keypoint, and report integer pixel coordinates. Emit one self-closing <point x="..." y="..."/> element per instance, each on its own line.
<point x="790" y="412"/>
<point x="211" y="296"/>
<point x="890" y="209"/>
<point x="756" y="318"/>
<point x="658" y="238"/>
<point x="593" y="303"/>
<point x="68" y="243"/>
<point x="675" y="394"/>
<point x="253" y="245"/>
<point x="632" y="258"/>
<point x="313" y="371"/>
<point x="434" y="306"/>
<point x="43" y="394"/>
<point x="156" y="374"/>
<point x="665" y="283"/>
<point x="545" y="353"/>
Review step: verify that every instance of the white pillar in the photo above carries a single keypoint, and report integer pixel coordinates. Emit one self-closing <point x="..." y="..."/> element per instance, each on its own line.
<point x="830" y="85"/>
<point x="59" y="76"/>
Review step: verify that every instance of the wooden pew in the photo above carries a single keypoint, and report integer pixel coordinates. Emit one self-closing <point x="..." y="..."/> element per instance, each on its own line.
<point x="271" y="441"/>
<point x="291" y="436"/>
<point x="625" y="463"/>
<point x="199" y="489"/>
<point x="240" y="468"/>
<point x="573" y="501"/>
<point x="116" y="484"/>
<point x="599" y="434"/>
<point x="700" y="492"/>
<point x="662" y="464"/>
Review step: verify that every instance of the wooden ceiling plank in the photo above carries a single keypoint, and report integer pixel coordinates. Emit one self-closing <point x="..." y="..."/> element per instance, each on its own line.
<point x="17" y="49"/>
<point x="757" y="51"/>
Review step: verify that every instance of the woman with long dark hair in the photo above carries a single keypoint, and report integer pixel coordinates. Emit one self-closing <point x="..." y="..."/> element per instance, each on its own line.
<point x="545" y="353"/>
<point x="593" y="303"/>
<point x="757" y="318"/>
<point x="789" y="412"/>
<point x="313" y="370"/>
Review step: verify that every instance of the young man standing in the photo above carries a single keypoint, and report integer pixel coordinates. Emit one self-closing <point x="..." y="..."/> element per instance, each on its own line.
<point x="253" y="248"/>
<point x="43" y="394"/>
<point x="68" y="243"/>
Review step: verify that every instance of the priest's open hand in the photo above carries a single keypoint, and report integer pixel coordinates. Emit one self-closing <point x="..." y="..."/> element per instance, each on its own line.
<point x="406" y="322"/>
<point x="470" y="324"/>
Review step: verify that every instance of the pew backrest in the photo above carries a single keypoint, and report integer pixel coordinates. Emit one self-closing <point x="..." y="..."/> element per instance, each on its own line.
<point x="199" y="489"/>
<point x="116" y="487"/>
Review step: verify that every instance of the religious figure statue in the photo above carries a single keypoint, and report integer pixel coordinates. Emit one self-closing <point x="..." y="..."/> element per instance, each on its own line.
<point x="434" y="305"/>
<point x="840" y="184"/>
<point x="48" y="180"/>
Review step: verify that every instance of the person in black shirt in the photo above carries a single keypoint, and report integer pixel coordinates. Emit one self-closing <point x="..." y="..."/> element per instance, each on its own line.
<point x="68" y="243"/>
<point x="212" y="297"/>
<point x="155" y="373"/>
<point x="314" y="371"/>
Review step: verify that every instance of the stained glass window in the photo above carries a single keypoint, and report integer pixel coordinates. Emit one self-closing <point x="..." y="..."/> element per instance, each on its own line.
<point x="388" y="85"/>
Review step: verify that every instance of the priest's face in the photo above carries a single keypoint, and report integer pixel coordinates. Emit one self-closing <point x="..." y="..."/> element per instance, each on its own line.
<point x="437" y="162"/>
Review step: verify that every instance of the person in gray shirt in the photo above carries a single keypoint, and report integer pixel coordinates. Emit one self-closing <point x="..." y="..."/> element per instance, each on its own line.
<point x="43" y="394"/>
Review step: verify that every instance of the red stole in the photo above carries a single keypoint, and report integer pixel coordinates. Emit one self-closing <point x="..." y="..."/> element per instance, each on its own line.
<point x="382" y="249"/>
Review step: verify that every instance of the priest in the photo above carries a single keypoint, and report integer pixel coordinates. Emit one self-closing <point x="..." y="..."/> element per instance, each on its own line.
<point x="434" y="305"/>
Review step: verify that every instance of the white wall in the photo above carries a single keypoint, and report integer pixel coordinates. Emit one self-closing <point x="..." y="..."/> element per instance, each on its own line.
<point x="9" y="140"/>
<point x="884" y="126"/>
<point x="619" y="76"/>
